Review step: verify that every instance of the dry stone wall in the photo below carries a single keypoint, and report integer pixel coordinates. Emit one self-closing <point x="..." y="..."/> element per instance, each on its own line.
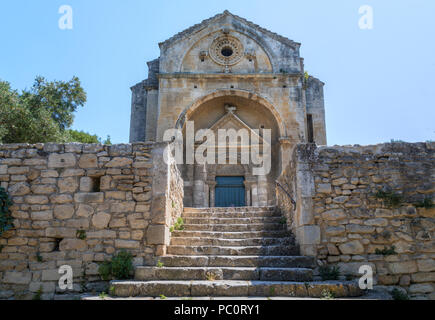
<point x="78" y="205"/>
<point x="343" y="220"/>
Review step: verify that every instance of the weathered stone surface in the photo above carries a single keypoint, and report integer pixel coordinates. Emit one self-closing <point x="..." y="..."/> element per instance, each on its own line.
<point x="335" y="214"/>
<point x="426" y="265"/>
<point x="68" y="185"/>
<point x="19" y="189"/>
<point x="88" y="161"/>
<point x="93" y="197"/>
<point x="352" y="247"/>
<point x="101" y="220"/>
<point x="119" y="162"/>
<point x="157" y="234"/>
<point x="403" y="267"/>
<point x="64" y="211"/>
<point x="73" y="244"/>
<point x="13" y="277"/>
<point x="65" y="160"/>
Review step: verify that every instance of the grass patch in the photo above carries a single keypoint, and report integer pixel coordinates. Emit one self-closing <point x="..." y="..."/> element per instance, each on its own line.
<point x="329" y="272"/>
<point x="386" y="251"/>
<point x="327" y="294"/>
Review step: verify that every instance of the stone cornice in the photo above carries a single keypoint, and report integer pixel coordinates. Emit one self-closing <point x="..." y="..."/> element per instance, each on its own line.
<point x="184" y="75"/>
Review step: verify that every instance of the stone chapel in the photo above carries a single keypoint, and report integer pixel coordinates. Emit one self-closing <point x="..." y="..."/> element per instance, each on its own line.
<point x="227" y="72"/>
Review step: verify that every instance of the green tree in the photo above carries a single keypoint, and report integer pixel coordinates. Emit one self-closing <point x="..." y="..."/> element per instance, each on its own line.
<point x="20" y="124"/>
<point x="60" y="98"/>
<point x="82" y="137"/>
<point x="108" y="141"/>
<point x="42" y="114"/>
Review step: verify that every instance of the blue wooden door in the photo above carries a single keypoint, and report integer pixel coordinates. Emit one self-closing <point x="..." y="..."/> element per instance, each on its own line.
<point x="230" y="192"/>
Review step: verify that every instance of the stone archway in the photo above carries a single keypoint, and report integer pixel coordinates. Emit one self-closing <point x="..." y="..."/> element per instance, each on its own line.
<point x="231" y="92"/>
<point x="251" y="112"/>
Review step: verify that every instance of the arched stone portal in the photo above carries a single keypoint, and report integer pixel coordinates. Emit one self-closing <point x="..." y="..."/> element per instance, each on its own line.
<point x="246" y="111"/>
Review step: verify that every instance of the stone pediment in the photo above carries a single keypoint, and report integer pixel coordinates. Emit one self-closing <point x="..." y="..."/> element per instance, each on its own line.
<point x="221" y="16"/>
<point x="231" y="121"/>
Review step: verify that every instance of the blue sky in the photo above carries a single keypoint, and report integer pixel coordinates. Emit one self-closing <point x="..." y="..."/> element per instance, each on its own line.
<point x="379" y="82"/>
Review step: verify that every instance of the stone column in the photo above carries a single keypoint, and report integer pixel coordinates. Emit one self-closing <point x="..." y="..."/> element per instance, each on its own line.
<point x="211" y="190"/>
<point x="199" y="185"/>
<point x="307" y="232"/>
<point x="248" y="187"/>
<point x="254" y="195"/>
<point x="262" y="190"/>
<point x="285" y="153"/>
<point x="158" y="230"/>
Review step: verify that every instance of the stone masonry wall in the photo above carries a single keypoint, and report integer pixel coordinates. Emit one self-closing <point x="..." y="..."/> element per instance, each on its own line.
<point x="78" y="205"/>
<point x="342" y="221"/>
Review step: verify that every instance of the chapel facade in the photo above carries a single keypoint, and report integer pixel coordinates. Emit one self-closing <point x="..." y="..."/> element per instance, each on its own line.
<point x="229" y="73"/>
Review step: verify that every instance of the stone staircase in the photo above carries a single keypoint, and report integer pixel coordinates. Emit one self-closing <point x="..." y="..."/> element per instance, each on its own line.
<point x="225" y="252"/>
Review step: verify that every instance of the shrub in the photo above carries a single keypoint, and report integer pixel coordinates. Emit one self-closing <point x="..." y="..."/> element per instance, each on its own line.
<point x="120" y="267"/>
<point x="327" y="294"/>
<point x="426" y="203"/>
<point x="390" y="199"/>
<point x="386" y="251"/>
<point x="399" y="295"/>
<point x="6" y="220"/>
<point x="329" y="272"/>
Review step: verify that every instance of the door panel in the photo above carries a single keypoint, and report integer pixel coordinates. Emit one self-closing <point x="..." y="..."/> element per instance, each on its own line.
<point x="230" y="192"/>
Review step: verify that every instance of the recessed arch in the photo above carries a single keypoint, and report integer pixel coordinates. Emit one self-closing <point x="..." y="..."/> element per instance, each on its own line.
<point x="231" y="92"/>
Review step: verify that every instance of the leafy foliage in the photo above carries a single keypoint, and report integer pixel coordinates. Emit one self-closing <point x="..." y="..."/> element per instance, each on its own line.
<point x="179" y="224"/>
<point x="6" y="220"/>
<point x="390" y="198"/>
<point x="329" y="272"/>
<point x="426" y="203"/>
<point x="399" y="295"/>
<point x="42" y="114"/>
<point x="60" y="98"/>
<point x="120" y="267"/>
<point x="81" y="136"/>
<point x="327" y="294"/>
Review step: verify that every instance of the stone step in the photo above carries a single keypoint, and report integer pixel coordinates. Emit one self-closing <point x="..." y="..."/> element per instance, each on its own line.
<point x="233" y="251"/>
<point x="234" y="227"/>
<point x="252" y="220"/>
<point x="230" y="209"/>
<point x="231" y="235"/>
<point x="238" y="261"/>
<point x="229" y="215"/>
<point x="201" y="241"/>
<point x="217" y="273"/>
<point x="231" y="288"/>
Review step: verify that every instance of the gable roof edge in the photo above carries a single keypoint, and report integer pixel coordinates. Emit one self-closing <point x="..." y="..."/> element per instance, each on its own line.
<point x="205" y="22"/>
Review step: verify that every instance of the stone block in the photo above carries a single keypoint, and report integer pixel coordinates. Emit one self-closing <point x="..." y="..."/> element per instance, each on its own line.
<point x="68" y="185"/>
<point x="101" y="220"/>
<point x="157" y="234"/>
<point x="65" y="160"/>
<point x="73" y="244"/>
<point x="352" y="247"/>
<point x="88" y="161"/>
<point x="92" y="197"/>
<point x="63" y="212"/>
